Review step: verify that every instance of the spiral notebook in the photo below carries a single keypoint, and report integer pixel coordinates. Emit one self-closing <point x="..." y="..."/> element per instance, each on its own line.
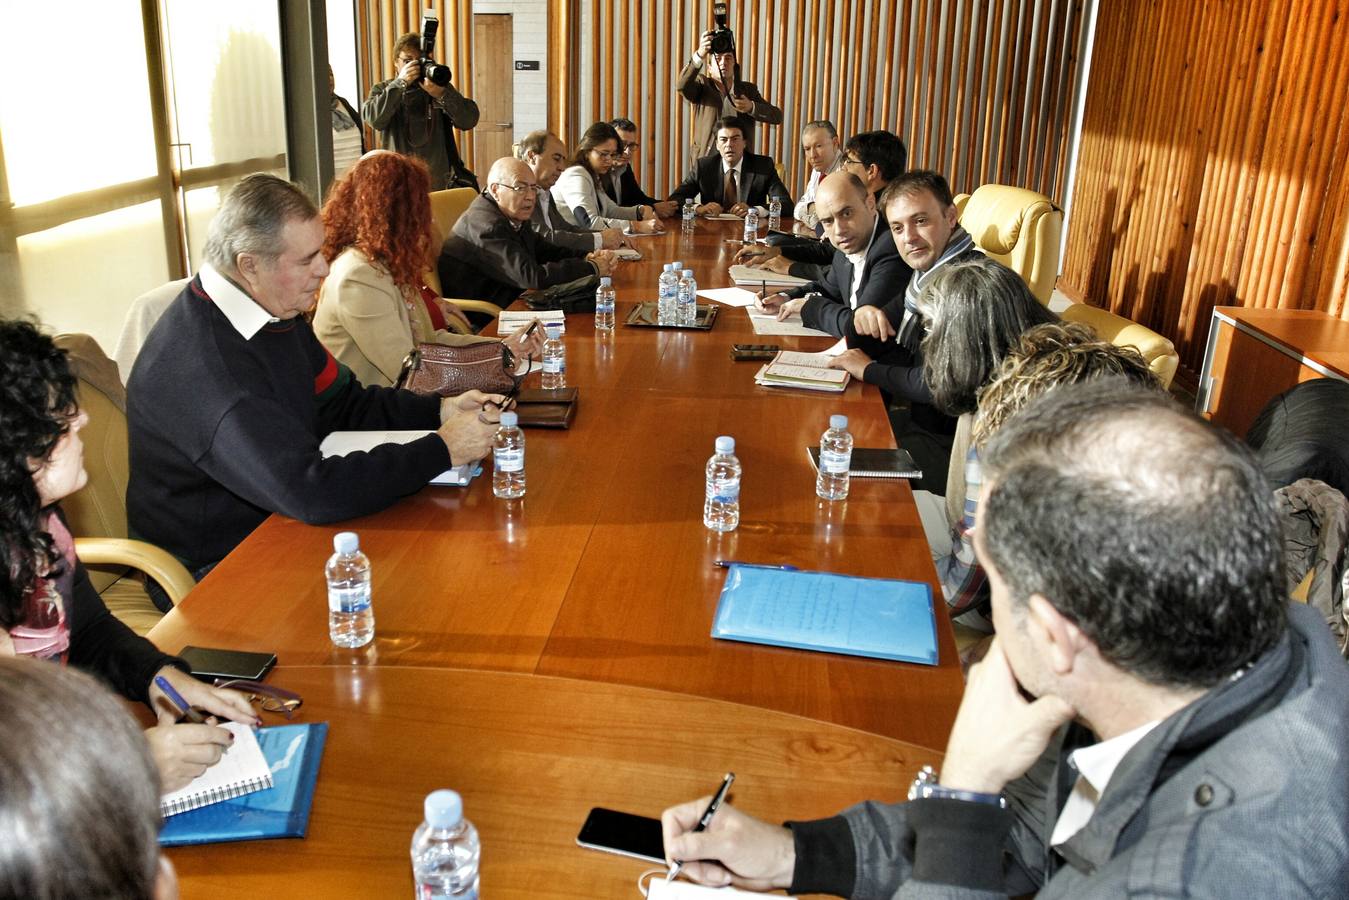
<point x="242" y="769"/>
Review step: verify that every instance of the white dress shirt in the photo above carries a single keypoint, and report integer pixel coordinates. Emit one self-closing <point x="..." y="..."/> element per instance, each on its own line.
<point x="804" y="211"/>
<point x="858" y="261"/>
<point x="1095" y="766"/>
<point x="243" y="311"/>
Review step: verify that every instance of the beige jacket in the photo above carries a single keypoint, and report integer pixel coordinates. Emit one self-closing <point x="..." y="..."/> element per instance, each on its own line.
<point x="365" y="320"/>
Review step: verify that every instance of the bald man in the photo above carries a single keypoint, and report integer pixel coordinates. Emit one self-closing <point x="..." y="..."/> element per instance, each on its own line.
<point x="857" y="296"/>
<point x="493" y="253"/>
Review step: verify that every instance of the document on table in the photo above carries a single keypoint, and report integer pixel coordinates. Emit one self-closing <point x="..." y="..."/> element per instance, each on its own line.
<point x="876" y="617"/>
<point x="733" y="296"/>
<point x="340" y="443"/>
<point x="725" y="217"/>
<point x="512" y="320"/>
<point x="748" y="275"/>
<point x="627" y="253"/>
<point x="767" y="323"/>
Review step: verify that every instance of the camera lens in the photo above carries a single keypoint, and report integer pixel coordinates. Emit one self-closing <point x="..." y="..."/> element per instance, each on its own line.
<point x="435" y="72"/>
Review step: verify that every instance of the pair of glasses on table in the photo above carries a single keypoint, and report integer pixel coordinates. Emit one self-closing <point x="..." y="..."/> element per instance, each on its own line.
<point x="272" y="699"/>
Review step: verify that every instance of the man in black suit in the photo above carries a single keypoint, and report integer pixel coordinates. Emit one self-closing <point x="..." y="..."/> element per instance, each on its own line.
<point x="493" y="254"/>
<point x="866" y="274"/>
<point x="732" y="180"/>
<point x="621" y="184"/>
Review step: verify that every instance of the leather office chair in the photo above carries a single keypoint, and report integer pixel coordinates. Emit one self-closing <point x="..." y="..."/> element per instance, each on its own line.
<point x="141" y="316"/>
<point x="97" y="513"/>
<point x="1019" y="228"/>
<point x="446" y="208"/>
<point x="1159" y="352"/>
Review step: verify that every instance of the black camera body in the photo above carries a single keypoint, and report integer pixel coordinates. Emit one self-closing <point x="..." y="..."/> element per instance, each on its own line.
<point x="432" y="70"/>
<point x="723" y="40"/>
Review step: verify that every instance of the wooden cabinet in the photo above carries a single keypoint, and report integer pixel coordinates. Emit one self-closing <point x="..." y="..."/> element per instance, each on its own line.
<point x="1253" y="355"/>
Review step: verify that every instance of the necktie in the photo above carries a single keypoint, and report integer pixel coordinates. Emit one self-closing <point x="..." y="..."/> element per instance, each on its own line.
<point x="729" y="195"/>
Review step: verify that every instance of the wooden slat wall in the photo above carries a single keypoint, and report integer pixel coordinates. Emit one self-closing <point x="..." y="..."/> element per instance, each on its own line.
<point x="380" y="22"/>
<point x="978" y="89"/>
<point x="1214" y="163"/>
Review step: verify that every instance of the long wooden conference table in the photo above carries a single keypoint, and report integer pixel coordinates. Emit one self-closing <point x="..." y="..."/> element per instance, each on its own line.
<point x="550" y="654"/>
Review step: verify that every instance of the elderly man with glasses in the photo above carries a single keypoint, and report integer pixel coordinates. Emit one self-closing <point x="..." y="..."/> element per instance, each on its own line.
<point x="493" y="254"/>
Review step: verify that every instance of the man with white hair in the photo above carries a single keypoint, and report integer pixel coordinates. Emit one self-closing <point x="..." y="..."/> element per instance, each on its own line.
<point x="493" y="254"/>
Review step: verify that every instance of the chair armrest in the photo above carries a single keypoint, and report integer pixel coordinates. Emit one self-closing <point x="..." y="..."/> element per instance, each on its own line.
<point x="158" y="564"/>
<point x="486" y="307"/>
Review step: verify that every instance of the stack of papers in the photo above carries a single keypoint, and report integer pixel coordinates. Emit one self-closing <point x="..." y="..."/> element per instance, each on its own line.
<point x="767" y="323"/>
<point x="627" y="253"/>
<point x="749" y="275"/>
<point x="512" y="320"/>
<point x="810" y="371"/>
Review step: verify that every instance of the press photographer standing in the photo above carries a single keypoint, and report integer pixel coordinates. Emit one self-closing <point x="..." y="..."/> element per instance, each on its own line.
<point x="416" y="115"/>
<point x="721" y="92"/>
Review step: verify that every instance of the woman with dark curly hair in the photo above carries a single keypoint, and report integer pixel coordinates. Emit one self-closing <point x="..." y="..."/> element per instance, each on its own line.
<point x="374" y="307"/>
<point x="48" y="608"/>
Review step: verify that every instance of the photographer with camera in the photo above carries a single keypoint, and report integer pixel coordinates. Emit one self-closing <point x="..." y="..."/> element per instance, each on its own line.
<point x="721" y="92"/>
<point x="417" y="111"/>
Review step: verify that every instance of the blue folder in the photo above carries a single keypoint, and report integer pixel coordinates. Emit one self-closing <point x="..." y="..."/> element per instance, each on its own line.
<point x="876" y="617"/>
<point x="293" y="751"/>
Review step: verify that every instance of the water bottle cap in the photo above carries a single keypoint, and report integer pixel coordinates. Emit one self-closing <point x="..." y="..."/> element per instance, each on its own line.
<point x="346" y="542"/>
<point x="677" y="265"/>
<point x="725" y="444"/>
<point x="688" y="273"/>
<point x="554" y="332"/>
<point x="669" y="266"/>
<point x="839" y="422"/>
<point x="605" y="281"/>
<point x="444" y="809"/>
<point x="510" y="419"/>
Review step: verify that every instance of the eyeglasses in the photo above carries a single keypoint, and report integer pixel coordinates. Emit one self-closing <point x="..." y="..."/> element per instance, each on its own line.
<point x="273" y="699"/>
<point x="629" y="147"/>
<point x="851" y="160"/>
<point x="518" y="188"/>
<point x="607" y="154"/>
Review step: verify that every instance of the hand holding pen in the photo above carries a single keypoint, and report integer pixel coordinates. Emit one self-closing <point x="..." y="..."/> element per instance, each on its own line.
<point x="705" y="819"/>
<point x="732" y="848"/>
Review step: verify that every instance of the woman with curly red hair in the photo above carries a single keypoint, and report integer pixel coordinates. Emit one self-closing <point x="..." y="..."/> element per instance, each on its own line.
<point x="374" y="307"/>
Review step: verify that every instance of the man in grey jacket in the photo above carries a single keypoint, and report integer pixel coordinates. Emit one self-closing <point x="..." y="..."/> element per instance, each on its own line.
<point x="1153" y="719"/>
<point x="546" y="156"/>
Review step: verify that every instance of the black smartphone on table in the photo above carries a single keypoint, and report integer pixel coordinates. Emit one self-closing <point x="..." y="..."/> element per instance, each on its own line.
<point x="211" y="663"/>
<point x="623" y="833"/>
<point x="744" y="352"/>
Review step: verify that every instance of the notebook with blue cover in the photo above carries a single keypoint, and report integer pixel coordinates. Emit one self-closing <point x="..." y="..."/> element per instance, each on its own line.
<point x="877" y="617"/>
<point x="293" y="752"/>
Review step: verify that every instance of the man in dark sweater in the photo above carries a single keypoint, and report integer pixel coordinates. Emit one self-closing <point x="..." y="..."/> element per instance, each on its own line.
<point x="493" y="253"/>
<point x="1154" y="718"/>
<point x="232" y="394"/>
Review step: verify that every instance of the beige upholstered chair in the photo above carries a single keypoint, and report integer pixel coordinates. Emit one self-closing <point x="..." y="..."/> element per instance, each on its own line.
<point x="1159" y="352"/>
<point x="1019" y="228"/>
<point x="142" y="315"/>
<point x="97" y="513"/>
<point x="446" y="208"/>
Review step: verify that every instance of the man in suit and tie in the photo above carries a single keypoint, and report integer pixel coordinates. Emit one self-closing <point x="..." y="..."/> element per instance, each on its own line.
<point x="546" y="156"/>
<point x="621" y="184"/>
<point x="866" y="272"/>
<point x="732" y="180"/>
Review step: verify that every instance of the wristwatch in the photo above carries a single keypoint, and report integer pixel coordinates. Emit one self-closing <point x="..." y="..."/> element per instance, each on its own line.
<point x="925" y="785"/>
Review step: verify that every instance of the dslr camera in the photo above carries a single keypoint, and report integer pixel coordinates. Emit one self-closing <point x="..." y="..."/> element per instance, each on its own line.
<point x="431" y="69"/>
<point x="723" y="41"/>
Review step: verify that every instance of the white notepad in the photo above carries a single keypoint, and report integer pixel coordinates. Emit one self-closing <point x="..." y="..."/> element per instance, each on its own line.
<point x="512" y="320"/>
<point x="767" y="323"/>
<point x="340" y="443"/>
<point x="747" y="275"/>
<point x="241" y="770"/>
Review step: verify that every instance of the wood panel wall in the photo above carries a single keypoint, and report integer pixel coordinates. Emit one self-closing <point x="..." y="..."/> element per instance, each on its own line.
<point x="380" y="22"/>
<point x="978" y="89"/>
<point x="1212" y="168"/>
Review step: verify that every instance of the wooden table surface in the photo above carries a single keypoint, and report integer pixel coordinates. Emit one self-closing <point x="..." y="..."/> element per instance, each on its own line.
<point x="530" y="755"/>
<point x="1318" y="336"/>
<point x="603" y="573"/>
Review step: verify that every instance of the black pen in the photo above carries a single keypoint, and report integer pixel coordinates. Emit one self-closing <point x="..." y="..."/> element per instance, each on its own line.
<point x="705" y="820"/>
<point x="727" y="563"/>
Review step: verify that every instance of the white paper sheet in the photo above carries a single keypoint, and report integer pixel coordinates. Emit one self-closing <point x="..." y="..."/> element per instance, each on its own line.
<point x="729" y="296"/>
<point x="750" y="275"/>
<point x="767" y="323"/>
<point x="512" y="320"/>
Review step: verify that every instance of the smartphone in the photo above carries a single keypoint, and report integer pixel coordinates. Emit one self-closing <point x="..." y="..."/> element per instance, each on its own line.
<point x="742" y="352"/>
<point x="210" y="663"/>
<point x="623" y="833"/>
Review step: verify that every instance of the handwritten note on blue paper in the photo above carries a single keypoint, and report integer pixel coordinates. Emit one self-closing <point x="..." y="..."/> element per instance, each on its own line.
<point x="876" y="617"/>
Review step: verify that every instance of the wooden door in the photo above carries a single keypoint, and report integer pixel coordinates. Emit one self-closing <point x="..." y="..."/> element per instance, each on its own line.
<point x="493" y="88"/>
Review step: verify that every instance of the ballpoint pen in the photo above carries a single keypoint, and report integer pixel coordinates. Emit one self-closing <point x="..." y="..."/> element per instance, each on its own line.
<point x="192" y="715"/>
<point x="727" y="563"/>
<point x="705" y="819"/>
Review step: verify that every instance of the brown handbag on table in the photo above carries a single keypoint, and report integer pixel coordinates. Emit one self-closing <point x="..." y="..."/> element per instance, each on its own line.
<point x="443" y="371"/>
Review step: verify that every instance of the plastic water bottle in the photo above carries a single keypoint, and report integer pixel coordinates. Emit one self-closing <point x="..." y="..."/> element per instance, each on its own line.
<point x="721" y="509"/>
<point x="668" y="288"/>
<point x="554" y="360"/>
<point x="774" y="213"/>
<point x="751" y="225"/>
<point x="445" y="850"/>
<point x="686" y="305"/>
<point x="835" y="459"/>
<point x="351" y="618"/>
<point x="604" y="305"/>
<point x="508" y="458"/>
<point x="690" y="213"/>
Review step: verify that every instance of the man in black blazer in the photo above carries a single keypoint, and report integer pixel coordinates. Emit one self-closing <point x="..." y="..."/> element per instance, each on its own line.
<point x="621" y="184"/>
<point x="732" y="180"/>
<point x="493" y="253"/>
<point x="866" y="274"/>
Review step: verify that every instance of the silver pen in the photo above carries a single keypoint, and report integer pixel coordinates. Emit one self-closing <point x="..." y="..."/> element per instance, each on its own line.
<point x="705" y="820"/>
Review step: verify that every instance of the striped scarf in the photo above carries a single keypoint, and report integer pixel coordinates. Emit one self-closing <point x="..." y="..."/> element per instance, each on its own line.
<point x="959" y="242"/>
